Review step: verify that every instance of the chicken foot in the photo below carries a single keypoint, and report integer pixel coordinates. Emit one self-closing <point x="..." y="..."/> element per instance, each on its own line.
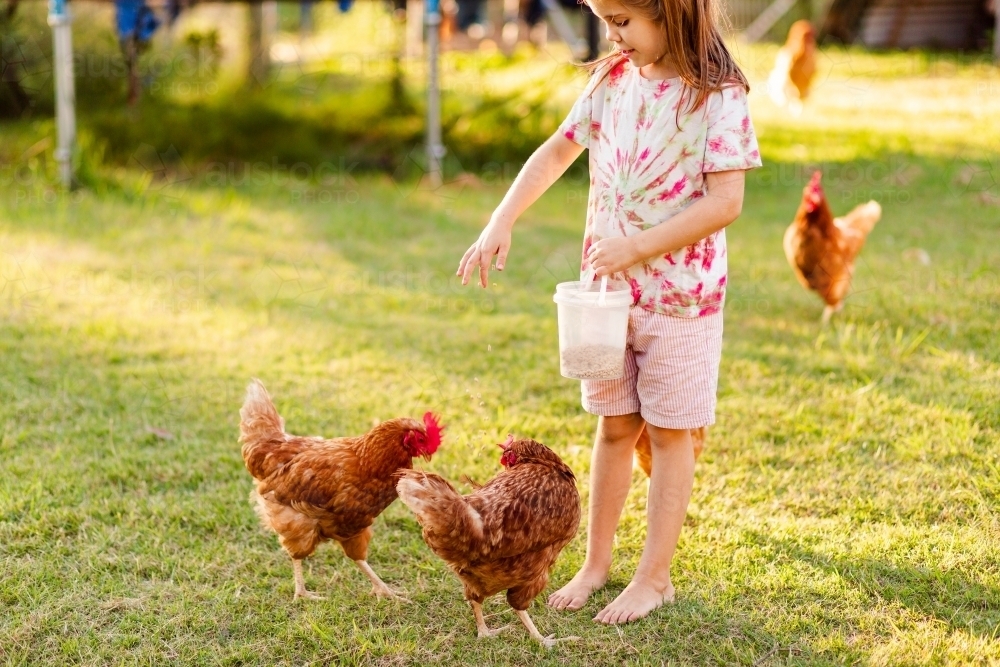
<point x="481" y="628"/>
<point x="547" y="642"/>
<point x="379" y="587"/>
<point x="829" y="311"/>
<point x="300" y="583"/>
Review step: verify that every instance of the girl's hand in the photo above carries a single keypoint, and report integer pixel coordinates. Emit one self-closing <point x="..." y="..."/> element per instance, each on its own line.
<point x="609" y="256"/>
<point x="494" y="241"/>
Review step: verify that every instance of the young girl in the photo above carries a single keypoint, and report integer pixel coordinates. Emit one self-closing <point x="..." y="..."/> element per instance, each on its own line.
<point x="665" y="119"/>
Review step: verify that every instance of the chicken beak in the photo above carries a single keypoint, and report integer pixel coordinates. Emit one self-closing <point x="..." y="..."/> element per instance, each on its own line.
<point x="507" y="443"/>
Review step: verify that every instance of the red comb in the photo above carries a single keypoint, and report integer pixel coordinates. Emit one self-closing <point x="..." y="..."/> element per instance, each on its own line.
<point x="434" y="430"/>
<point x="817" y="175"/>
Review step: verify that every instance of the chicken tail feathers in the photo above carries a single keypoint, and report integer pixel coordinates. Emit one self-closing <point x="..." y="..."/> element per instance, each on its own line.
<point x="855" y="227"/>
<point x="260" y="426"/>
<point x="259" y="419"/>
<point x="864" y="217"/>
<point x="439" y="508"/>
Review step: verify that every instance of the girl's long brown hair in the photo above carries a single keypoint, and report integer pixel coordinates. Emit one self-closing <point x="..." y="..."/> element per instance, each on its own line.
<point x="694" y="45"/>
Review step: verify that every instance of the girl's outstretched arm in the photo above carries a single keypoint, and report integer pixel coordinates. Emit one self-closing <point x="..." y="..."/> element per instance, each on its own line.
<point x="541" y="170"/>
<point x="722" y="203"/>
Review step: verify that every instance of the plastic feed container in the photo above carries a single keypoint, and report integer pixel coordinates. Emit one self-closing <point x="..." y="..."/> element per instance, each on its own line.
<point x="592" y="336"/>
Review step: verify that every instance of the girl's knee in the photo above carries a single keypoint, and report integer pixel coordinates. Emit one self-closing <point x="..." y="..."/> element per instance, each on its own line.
<point x="669" y="437"/>
<point x="620" y="429"/>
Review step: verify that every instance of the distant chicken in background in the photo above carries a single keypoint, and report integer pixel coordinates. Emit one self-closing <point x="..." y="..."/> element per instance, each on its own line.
<point x="794" y="68"/>
<point x="314" y="489"/>
<point x="506" y="534"/>
<point x="822" y="249"/>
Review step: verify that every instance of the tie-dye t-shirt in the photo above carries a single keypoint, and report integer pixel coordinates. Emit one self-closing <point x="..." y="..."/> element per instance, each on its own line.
<point x="644" y="170"/>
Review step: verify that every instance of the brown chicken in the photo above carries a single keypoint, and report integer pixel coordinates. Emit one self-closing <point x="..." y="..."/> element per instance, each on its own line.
<point x="644" y="452"/>
<point x="506" y="534"/>
<point x="821" y="248"/>
<point x="313" y="489"/>
<point x="794" y="67"/>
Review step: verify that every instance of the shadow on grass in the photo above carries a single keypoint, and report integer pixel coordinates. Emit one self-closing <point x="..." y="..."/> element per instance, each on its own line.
<point x="955" y="599"/>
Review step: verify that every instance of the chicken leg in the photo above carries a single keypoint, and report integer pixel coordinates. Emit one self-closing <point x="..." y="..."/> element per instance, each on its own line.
<point x="356" y="549"/>
<point x="300" y="583"/>
<point x="481" y="627"/>
<point x="379" y="587"/>
<point x="547" y="642"/>
<point x="829" y="311"/>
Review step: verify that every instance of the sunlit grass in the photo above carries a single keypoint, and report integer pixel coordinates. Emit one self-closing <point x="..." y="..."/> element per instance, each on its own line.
<point x="845" y="511"/>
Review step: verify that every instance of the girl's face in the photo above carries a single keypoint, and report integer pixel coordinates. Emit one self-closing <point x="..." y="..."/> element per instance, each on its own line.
<point x="636" y="36"/>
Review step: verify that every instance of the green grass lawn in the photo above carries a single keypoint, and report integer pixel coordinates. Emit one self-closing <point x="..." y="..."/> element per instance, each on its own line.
<point x="846" y="509"/>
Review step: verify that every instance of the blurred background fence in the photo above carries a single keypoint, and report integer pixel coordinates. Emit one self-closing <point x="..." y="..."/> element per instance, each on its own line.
<point x="346" y="80"/>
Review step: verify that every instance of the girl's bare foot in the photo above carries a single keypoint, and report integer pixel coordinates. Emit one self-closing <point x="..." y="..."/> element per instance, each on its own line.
<point x="573" y="595"/>
<point x="635" y="602"/>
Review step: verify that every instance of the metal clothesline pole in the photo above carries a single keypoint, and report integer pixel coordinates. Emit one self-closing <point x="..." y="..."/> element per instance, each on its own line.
<point x="62" y="46"/>
<point x="766" y="20"/>
<point x="435" y="149"/>
<point x="996" y="31"/>
<point x="577" y="45"/>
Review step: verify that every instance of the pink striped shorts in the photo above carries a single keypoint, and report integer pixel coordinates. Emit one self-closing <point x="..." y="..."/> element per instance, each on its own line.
<point x="671" y="372"/>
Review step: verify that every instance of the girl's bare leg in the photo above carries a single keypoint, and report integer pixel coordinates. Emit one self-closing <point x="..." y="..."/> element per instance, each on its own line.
<point x="610" y="477"/>
<point x="669" y="493"/>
